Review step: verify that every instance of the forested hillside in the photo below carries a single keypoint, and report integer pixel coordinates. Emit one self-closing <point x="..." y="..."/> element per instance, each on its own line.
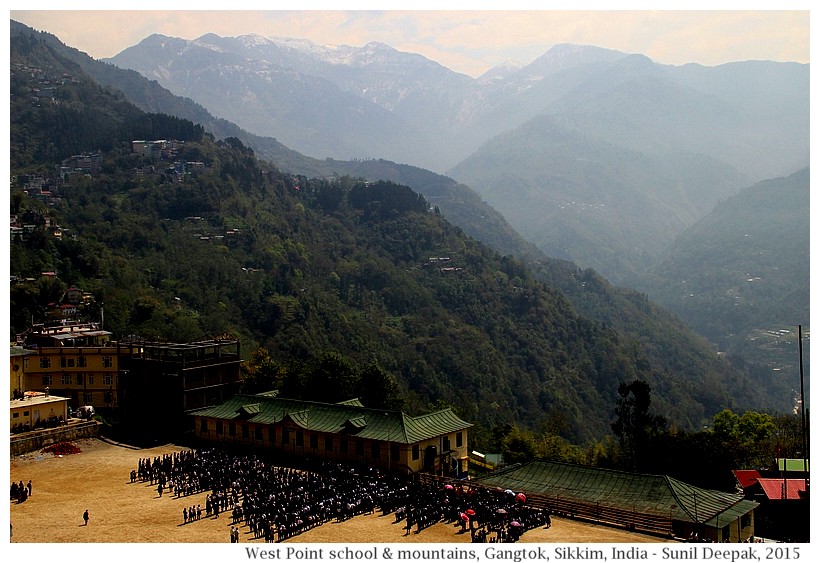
<point x="741" y="274"/>
<point x="201" y="238"/>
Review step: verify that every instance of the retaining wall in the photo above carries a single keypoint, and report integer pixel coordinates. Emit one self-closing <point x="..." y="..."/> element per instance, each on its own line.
<point x="39" y="439"/>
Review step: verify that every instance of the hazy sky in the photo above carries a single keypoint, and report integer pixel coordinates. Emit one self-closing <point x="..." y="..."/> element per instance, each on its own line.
<point x="465" y="41"/>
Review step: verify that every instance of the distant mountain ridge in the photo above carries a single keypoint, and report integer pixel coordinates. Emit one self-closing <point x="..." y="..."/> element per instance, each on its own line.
<point x="670" y="346"/>
<point x="376" y="262"/>
<point x="744" y="268"/>
<point x="706" y="132"/>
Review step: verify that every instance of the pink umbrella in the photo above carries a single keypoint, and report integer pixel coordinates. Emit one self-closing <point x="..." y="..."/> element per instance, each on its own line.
<point x="448" y="487"/>
<point x="515" y="523"/>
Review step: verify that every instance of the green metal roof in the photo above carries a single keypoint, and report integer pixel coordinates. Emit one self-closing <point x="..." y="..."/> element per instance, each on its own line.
<point x="351" y="402"/>
<point x="647" y="494"/>
<point x="249" y="409"/>
<point x="344" y="418"/>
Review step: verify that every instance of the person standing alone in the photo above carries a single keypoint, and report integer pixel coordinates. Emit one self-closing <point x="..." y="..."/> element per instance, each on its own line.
<point x="85" y="518"/>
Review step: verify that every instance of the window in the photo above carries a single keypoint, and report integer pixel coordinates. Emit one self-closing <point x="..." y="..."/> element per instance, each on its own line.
<point x="90" y="377"/>
<point x="459" y="440"/>
<point x="45" y="362"/>
<point x="394" y="451"/>
<point x="314" y="441"/>
<point x="79" y="379"/>
<point x="219" y="427"/>
<point x="203" y="424"/>
<point x="257" y="433"/>
<point x="82" y="362"/>
<point x="375" y="450"/>
<point x="47" y="381"/>
<point x="328" y="443"/>
<point x="285" y="436"/>
<point x="246" y="432"/>
<point x="300" y="438"/>
<point x="108" y="361"/>
<point x="25" y="363"/>
<point x="108" y="379"/>
<point x="66" y="379"/>
<point x="88" y="398"/>
<point x="415" y="452"/>
<point x="272" y="434"/>
<point x="231" y="429"/>
<point x="446" y="445"/>
<point x="15" y="415"/>
<point x="343" y="445"/>
<point x="66" y="362"/>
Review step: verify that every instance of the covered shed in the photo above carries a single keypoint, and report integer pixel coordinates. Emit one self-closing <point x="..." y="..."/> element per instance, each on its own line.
<point x="648" y="503"/>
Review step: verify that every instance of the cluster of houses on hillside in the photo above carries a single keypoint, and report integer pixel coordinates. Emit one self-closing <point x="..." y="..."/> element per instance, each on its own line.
<point x="192" y="392"/>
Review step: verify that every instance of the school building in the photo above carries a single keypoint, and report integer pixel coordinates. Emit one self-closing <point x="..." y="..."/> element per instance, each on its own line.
<point x="344" y="432"/>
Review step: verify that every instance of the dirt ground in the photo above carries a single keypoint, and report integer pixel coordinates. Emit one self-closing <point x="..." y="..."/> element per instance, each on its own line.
<point x="97" y="480"/>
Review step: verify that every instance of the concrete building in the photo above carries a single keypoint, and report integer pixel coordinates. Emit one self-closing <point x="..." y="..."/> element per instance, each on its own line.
<point x="72" y="360"/>
<point x="161" y="382"/>
<point x="37" y="410"/>
<point x="17" y="361"/>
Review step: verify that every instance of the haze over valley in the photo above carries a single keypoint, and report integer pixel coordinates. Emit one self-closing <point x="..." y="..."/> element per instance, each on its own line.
<point x="603" y="217"/>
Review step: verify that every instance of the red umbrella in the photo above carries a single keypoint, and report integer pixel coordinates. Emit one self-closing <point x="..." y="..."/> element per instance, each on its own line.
<point x="464" y="516"/>
<point x="469" y="512"/>
<point x="521" y="497"/>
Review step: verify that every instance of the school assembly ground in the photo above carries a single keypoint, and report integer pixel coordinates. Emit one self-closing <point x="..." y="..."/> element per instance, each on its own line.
<point x="97" y="479"/>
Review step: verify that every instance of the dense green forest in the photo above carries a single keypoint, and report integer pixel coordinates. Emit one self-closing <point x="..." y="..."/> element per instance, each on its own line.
<point x="692" y="379"/>
<point x="335" y="286"/>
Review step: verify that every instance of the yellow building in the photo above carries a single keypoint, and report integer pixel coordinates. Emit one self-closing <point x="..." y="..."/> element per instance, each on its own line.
<point x="17" y="381"/>
<point x="345" y="432"/>
<point x="76" y="361"/>
<point x="37" y="410"/>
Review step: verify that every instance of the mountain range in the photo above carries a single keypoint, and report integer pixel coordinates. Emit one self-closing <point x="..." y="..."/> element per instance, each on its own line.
<point x="579" y="144"/>
<point x="691" y="380"/>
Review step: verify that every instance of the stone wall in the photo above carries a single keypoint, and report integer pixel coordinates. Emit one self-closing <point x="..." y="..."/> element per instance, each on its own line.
<point x="39" y="439"/>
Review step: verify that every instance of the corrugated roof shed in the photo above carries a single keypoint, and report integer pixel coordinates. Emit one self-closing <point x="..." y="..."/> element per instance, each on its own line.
<point x="773" y="488"/>
<point x="746" y="477"/>
<point x="647" y="494"/>
<point x="347" y="417"/>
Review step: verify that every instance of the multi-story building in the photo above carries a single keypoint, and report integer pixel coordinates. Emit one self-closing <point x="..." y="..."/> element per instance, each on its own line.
<point x="344" y="432"/>
<point x="72" y="360"/>
<point x="160" y="382"/>
<point x="17" y="380"/>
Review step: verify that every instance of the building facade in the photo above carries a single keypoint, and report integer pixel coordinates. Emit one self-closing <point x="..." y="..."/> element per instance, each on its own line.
<point x="37" y="410"/>
<point x="72" y="360"/>
<point x="161" y="382"/>
<point x="17" y="377"/>
<point x="345" y="433"/>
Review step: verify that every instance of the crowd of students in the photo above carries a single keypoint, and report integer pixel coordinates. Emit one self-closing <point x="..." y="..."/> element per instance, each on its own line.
<point x="20" y="492"/>
<point x="276" y="502"/>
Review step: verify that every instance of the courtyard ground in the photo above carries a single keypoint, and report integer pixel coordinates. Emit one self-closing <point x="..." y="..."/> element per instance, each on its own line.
<point x="97" y="479"/>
